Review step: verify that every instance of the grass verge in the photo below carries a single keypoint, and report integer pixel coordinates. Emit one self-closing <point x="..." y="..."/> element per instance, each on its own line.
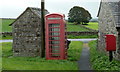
<point x="6" y="37"/>
<point x="100" y="61"/>
<point x="37" y="63"/>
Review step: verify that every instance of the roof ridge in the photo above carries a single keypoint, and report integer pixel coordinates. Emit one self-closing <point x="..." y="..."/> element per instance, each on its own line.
<point x="35" y="8"/>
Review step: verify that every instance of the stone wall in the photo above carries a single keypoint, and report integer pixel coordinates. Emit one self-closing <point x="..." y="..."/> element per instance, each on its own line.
<point x="68" y="33"/>
<point x="82" y="33"/>
<point x="6" y="33"/>
<point x="108" y="20"/>
<point x="27" y="35"/>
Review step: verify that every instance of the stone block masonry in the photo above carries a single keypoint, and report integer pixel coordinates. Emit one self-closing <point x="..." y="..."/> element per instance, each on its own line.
<point x="109" y="23"/>
<point x="26" y="32"/>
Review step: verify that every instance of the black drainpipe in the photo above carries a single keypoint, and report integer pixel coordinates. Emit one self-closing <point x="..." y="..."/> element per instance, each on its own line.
<point x="43" y="27"/>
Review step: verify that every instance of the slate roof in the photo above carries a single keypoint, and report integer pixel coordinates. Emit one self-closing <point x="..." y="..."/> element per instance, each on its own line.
<point x="36" y="11"/>
<point x="99" y="8"/>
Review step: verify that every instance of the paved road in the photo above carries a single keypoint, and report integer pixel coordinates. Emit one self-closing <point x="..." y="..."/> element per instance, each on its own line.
<point x="84" y="61"/>
<point x="83" y="40"/>
<point x="6" y="41"/>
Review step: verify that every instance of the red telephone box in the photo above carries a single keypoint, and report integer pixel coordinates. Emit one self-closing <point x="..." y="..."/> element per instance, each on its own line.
<point x="56" y="40"/>
<point x="110" y="42"/>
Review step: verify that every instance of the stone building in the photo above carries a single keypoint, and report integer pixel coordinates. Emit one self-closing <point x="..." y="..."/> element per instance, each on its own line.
<point x="109" y="23"/>
<point x="27" y="33"/>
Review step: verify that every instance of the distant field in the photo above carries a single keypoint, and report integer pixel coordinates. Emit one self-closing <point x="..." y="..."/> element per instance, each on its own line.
<point x="71" y="27"/>
<point x="5" y="25"/>
<point x="92" y="25"/>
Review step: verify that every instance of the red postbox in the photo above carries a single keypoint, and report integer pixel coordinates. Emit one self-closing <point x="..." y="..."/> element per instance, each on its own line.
<point x="55" y="37"/>
<point x="110" y="42"/>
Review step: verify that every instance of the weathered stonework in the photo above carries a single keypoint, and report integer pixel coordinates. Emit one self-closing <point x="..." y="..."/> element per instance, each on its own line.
<point x="109" y="23"/>
<point x="27" y="33"/>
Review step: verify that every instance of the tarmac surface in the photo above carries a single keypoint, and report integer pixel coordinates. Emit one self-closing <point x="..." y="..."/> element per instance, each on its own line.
<point x="83" y="40"/>
<point x="1" y="41"/>
<point x="84" y="61"/>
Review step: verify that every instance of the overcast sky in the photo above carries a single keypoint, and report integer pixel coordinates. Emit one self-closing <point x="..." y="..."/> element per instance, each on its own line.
<point x="13" y="8"/>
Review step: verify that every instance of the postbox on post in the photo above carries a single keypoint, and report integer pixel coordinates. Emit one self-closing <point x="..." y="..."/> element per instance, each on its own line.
<point x="110" y="45"/>
<point x="55" y="37"/>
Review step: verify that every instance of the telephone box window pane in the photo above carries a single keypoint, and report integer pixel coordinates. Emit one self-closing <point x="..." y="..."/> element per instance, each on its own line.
<point x="54" y="34"/>
<point x="54" y="29"/>
<point x="54" y="18"/>
<point x="55" y="47"/>
<point x="54" y="25"/>
<point x="55" y="55"/>
<point x="54" y="42"/>
<point x="54" y="38"/>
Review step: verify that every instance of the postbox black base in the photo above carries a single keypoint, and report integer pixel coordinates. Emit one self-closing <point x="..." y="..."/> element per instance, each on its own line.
<point x="110" y="56"/>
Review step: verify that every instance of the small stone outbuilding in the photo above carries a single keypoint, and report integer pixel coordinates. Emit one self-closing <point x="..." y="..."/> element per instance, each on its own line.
<point x="27" y="33"/>
<point x="109" y="23"/>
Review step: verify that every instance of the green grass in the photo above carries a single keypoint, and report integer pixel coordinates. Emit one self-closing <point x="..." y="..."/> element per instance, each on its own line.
<point x="36" y="63"/>
<point x="70" y="27"/>
<point x="7" y="28"/>
<point x="5" y="38"/>
<point x="5" y="25"/>
<point x="74" y="50"/>
<point x="77" y="28"/>
<point x="0" y="57"/>
<point x="100" y="61"/>
<point x="92" y="25"/>
<point x="81" y="36"/>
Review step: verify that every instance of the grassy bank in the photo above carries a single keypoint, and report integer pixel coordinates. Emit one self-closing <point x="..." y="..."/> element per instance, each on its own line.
<point x="100" y="61"/>
<point x="5" y="38"/>
<point x="36" y="63"/>
<point x="77" y="28"/>
<point x="92" y="25"/>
